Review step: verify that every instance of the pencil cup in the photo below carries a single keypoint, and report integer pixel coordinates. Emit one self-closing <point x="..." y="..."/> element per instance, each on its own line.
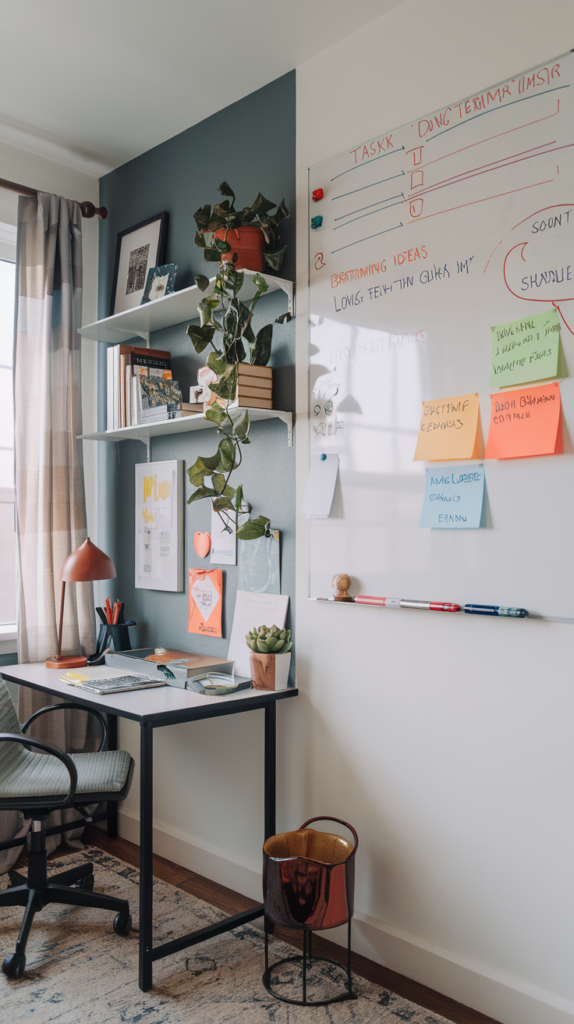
<point x="116" y="637"/>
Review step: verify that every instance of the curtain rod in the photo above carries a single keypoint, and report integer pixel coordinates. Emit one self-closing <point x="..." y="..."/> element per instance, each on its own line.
<point x="88" y="209"/>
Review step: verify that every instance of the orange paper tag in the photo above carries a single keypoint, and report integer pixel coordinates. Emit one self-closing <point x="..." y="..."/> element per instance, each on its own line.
<point x="525" y="422"/>
<point x="449" y="429"/>
<point x="205" y="601"/>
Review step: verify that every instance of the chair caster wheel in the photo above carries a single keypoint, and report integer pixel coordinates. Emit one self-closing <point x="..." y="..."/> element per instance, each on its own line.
<point x="122" y="923"/>
<point x="14" y="965"/>
<point x="86" y="883"/>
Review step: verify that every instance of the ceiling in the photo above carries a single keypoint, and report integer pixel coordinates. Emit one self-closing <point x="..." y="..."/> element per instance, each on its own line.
<point x="94" y="83"/>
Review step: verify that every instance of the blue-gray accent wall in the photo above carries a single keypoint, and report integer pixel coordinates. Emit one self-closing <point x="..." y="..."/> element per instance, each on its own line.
<point x="251" y="145"/>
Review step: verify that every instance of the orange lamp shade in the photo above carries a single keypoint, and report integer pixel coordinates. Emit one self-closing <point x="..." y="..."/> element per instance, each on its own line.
<point x="87" y="563"/>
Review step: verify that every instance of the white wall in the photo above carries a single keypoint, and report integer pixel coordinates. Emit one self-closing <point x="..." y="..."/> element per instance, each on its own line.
<point x="454" y="760"/>
<point x="38" y="172"/>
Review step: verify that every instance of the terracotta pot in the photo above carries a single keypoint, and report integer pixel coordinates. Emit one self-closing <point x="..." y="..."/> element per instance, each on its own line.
<point x="269" y="671"/>
<point x="248" y="243"/>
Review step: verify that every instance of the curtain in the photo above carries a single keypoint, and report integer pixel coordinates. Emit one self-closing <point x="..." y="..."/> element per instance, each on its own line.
<point x="50" y="500"/>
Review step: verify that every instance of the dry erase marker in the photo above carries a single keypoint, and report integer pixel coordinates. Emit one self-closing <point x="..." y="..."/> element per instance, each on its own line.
<point x="493" y="609"/>
<point x="432" y="606"/>
<point x="382" y="602"/>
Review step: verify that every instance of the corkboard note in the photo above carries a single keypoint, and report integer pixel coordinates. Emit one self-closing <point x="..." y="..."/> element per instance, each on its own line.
<point x="525" y="422"/>
<point x="449" y="429"/>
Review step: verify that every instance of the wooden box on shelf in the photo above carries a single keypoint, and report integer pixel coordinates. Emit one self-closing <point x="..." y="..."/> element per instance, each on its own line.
<point x="254" y="388"/>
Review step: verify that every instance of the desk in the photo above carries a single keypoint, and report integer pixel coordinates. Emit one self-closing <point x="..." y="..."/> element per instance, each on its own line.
<point x="153" y="709"/>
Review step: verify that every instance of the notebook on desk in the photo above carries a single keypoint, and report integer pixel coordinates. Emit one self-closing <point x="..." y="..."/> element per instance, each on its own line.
<point x="109" y="680"/>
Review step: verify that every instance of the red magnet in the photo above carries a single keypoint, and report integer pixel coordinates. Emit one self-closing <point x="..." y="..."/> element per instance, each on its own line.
<point x="317" y="195"/>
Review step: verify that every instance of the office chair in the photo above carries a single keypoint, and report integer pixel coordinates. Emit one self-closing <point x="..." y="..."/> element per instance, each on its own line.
<point x="37" y="784"/>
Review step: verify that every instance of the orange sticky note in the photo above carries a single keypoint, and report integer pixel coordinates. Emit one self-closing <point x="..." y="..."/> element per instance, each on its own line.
<point x="525" y="422"/>
<point x="205" y="601"/>
<point x="449" y="429"/>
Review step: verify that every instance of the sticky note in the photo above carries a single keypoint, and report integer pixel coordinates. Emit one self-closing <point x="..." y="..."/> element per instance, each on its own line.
<point x="525" y="422"/>
<point x="525" y="350"/>
<point x="449" y="429"/>
<point x="453" y="498"/>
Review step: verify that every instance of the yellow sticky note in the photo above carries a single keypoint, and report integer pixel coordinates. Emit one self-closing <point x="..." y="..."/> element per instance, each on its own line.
<point x="74" y="677"/>
<point x="449" y="429"/>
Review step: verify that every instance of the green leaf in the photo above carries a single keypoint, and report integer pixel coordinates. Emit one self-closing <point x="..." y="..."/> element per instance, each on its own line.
<point x="248" y="335"/>
<point x="225" y="190"/>
<point x="226" y="451"/>
<point x="221" y="245"/>
<point x="262" y="287"/>
<point x="262" y="349"/>
<point x="202" y="282"/>
<point x="216" y="362"/>
<point x="215" y="413"/>
<point x="203" y="466"/>
<point x="275" y="259"/>
<point x="262" y="205"/>
<point x="202" y="217"/>
<point x="200" y="336"/>
<point x="284" y="318"/>
<point x="200" y="239"/>
<point x="223" y="503"/>
<point x="234" y="350"/>
<point x="226" y="386"/>
<point x="252" y="529"/>
<point x="239" y="497"/>
<point x="211" y="255"/>
<point x="242" y="428"/>
<point x="202" y="492"/>
<point x="206" y="308"/>
<point x="218" y="482"/>
<point x="237" y="317"/>
<point x="233" y="278"/>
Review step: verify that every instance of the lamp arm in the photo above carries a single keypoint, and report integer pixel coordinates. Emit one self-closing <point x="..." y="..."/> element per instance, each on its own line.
<point x="77" y="707"/>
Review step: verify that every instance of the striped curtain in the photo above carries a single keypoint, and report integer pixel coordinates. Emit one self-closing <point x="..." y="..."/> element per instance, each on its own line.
<point x="50" y="501"/>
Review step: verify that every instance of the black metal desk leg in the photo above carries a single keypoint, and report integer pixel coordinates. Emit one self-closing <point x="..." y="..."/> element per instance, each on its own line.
<point x="146" y="855"/>
<point x="112" y="808"/>
<point x="270" y="768"/>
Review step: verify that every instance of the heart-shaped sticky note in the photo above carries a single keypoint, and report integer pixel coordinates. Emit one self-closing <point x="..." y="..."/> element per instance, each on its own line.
<point x="202" y="544"/>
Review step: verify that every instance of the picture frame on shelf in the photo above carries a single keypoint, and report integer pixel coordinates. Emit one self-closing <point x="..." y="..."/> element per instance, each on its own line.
<point x="137" y="250"/>
<point x="160" y="282"/>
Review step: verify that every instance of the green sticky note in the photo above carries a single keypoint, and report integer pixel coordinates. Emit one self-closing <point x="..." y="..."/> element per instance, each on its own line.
<point x="525" y="350"/>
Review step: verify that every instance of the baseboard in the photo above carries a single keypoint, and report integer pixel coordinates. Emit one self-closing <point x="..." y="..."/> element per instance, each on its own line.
<point x="502" y="997"/>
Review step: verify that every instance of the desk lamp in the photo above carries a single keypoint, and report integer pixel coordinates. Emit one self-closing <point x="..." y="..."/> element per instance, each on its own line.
<point x="85" y="564"/>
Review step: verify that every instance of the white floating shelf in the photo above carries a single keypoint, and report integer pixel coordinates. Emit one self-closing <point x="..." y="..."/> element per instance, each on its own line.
<point x="143" y="321"/>
<point x="145" y="431"/>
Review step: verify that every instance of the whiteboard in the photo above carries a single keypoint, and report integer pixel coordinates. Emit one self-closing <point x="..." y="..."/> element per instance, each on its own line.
<point x="431" y="234"/>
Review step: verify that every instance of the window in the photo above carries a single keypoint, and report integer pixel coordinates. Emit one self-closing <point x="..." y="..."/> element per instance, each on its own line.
<point x="7" y="532"/>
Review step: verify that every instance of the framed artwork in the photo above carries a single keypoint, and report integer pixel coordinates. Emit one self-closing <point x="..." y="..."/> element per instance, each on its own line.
<point x="159" y="525"/>
<point x="137" y="250"/>
<point x="160" y="282"/>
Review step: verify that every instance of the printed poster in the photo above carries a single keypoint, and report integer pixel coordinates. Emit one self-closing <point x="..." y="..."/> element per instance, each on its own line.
<point x="159" y="525"/>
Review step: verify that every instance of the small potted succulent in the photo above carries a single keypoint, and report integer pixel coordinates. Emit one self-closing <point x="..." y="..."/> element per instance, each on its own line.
<point x="270" y="657"/>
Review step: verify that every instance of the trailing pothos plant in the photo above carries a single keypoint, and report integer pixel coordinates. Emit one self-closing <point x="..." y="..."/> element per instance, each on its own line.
<point x="232" y="341"/>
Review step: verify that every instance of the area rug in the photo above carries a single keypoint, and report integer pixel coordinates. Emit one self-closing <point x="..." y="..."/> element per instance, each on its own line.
<point x="78" y="971"/>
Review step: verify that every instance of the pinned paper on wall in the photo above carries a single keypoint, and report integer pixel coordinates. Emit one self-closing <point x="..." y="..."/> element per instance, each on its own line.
<point x="454" y="498"/>
<point x="525" y="422"/>
<point x="525" y="350"/>
<point x="205" y="601"/>
<point x="449" y="429"/>
<point x="223" y="544"/>
<point x="259" y="564"/>
<point x="253" y="610"/>
<point x="320" y="486"/>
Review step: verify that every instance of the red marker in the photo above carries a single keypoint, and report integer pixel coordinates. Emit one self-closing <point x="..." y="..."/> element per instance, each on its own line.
<point x="317" y="195"/>
<point x="397" y="602"/>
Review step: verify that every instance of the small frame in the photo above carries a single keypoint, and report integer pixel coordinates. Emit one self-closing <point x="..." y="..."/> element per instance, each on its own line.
<point x="137" y="249"/>
<point x="160" y="282"/>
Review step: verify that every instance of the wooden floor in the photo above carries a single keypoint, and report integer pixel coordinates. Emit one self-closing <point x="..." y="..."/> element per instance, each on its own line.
<point x="233" y="902"/>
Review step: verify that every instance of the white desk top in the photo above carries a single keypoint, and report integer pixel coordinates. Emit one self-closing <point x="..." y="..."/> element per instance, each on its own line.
<point x="161" y="702"/>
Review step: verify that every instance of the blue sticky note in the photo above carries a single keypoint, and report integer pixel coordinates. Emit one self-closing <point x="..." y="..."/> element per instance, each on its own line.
<point x="454" y="497"/>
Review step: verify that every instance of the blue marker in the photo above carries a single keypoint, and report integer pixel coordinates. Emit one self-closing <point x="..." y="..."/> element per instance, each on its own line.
<point x="491" y="609"/>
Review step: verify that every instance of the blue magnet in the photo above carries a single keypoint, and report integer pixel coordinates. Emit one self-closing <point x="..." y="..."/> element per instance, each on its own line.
<point x="316" y="222"/>
<point x="323" y="457"/>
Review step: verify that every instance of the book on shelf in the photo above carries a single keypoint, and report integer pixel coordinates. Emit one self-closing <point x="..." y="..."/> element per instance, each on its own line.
<point x="124" y="363"/>
<point x="153" y="396"/>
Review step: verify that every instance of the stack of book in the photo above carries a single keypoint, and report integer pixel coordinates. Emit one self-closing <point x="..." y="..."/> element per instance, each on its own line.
<point x="125" y="364"/>
<point x="254" y="386"/>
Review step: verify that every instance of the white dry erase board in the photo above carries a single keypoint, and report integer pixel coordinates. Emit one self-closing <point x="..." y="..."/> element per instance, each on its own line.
<point x="159" y="525"/>
<point x="431" y="234"/>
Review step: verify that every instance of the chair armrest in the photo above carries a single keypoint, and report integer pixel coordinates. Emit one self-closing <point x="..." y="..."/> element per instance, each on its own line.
<point x="78" y="707"/>
<point x="65" y="758"/>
